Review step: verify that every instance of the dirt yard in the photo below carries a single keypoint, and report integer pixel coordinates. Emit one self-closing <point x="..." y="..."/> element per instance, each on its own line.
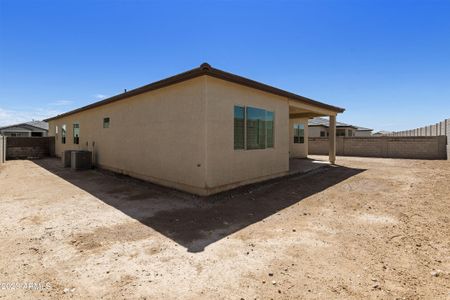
<point x="367" y="228"/>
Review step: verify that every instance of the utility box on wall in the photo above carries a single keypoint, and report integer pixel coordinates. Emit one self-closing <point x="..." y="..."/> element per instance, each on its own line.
<point x="81" y="160"/>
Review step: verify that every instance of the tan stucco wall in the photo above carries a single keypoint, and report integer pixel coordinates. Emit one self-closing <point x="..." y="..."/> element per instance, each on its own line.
<point x="363" y="133"/>
<point x="387" y="146"/>
<point x="298" y="150"/>
<point x="314" y="131"/>
<point x="157" y="136"/>
<point x="181" y="136"/>
<point x="227" y="167"/>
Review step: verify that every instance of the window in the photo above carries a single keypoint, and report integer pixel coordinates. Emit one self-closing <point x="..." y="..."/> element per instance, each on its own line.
<point x="106" y="122"/>
<point x="299" y="133"/>
<point x="76" y="133"/>
<point x="22" y="134"/>
<point x="63" y="134"/>
<point x="239" y="127"/>
<point x="340" y="132"/>
<point x="256" y="128"/>
<point x="56" y="130"/>
<point x="269" y="128"/>
<point x="322" y="133"/>
<point x="350" y="132"/>
<point x="253" y="128"/>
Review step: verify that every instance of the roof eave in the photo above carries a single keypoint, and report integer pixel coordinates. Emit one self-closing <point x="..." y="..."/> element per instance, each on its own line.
<point x="204" y="69"/>
<point x="146" y="88"/>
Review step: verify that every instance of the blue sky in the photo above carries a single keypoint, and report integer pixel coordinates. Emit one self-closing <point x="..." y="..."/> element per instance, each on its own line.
<point x="386" y="62"/>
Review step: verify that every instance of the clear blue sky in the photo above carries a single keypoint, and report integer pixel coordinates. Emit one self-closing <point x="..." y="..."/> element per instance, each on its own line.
<point x="386" y="62"/>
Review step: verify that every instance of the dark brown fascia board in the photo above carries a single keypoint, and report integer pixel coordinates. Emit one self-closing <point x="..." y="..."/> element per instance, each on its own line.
<point x="146" y="88"/>
<point x="204" y="69"/>
<point x="347" y="126"/>
<point x="270" y="89"/>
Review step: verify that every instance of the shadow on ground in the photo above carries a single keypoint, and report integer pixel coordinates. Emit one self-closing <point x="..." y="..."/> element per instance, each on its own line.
<point x="196" y="222"/>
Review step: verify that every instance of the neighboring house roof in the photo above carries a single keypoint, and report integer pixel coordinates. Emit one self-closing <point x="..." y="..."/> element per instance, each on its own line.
<point x="326" y="123"/>
<point x="37" y="124"/>
<point x="363" y="129"/>
<point x="204" y="69"/>
<point x="382" y="132"/>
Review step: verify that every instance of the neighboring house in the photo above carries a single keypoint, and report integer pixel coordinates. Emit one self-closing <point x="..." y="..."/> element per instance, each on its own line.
<point x="27" y="129"/>
<point x="319" y="127"/>
<point x="362" y="131"/>
<point x="202" y="131"/>
<point x="382" y="133"/>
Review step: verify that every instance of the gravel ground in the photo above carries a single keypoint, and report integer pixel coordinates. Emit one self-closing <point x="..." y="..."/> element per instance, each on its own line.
<point x="366" y="228"/>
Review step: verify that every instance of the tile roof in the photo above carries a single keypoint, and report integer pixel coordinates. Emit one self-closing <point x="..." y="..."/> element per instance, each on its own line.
<point x="34" y="123"/>
<point x="318" y="121"/>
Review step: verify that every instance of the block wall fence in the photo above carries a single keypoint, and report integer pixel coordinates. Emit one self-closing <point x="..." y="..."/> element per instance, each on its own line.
<point x="28" y="147"/>
<point x="428" y="147"/>
<point x="439" y="129"/>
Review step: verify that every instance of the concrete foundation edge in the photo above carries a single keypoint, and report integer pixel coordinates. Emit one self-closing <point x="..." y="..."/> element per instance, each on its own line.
<point x="200" y="191"/>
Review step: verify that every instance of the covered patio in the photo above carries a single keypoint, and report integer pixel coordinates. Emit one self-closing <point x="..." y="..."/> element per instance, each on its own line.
<point x="299" y="114"/>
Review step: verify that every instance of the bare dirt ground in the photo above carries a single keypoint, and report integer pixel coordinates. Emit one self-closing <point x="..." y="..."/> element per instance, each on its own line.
<point x="367" y="228"/>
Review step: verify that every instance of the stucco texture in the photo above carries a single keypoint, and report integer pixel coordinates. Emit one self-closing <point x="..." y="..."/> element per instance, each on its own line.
<point x="181" y="136"/>
<point x="157" y="136"/>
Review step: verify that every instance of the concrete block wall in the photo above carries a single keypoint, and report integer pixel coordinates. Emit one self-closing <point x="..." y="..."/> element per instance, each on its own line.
<point x="28" y="147"/>
<point x="439" y="129"/>
<point x="371" y="147"/>
<point x="417" y="147"/>
<point x="319" y="146"/>
<point x="387" y="146"/>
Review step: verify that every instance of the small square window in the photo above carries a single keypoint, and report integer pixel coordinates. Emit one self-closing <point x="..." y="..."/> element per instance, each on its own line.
<point x="106" y="122"/>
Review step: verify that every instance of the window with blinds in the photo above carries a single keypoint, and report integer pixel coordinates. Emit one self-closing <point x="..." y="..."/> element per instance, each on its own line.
<point x="253" y="128"/>
<point x="299" y="133"/>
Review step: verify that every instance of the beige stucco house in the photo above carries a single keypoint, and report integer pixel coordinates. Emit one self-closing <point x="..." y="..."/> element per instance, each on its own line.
<point x="318" y="127"/>
<point x="28" y="129"/>
<point x="202" y="131"/>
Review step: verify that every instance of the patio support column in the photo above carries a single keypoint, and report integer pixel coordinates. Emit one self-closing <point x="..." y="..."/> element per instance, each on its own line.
<point x="332" y="140"/>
